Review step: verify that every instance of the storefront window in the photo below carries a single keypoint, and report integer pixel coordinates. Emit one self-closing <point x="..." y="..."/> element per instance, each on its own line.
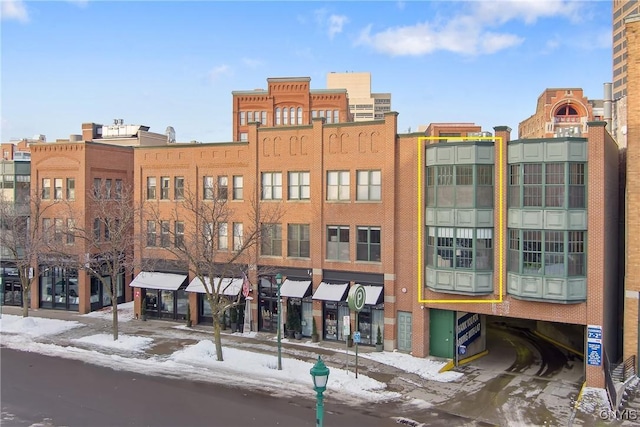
<point x="95" y="291"/>
<point x="167" y="301"/>
<point x="46" y="290"/>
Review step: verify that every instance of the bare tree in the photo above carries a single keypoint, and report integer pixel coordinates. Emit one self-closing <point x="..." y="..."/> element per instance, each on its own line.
<point x="200" y="235"/>
<point x="106" y="235"/>
<point x="26" y="232"/>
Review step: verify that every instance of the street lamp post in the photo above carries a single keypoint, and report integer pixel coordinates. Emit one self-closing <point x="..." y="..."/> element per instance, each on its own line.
<point x="279" y="283"/>
<point x="319" y="374"/>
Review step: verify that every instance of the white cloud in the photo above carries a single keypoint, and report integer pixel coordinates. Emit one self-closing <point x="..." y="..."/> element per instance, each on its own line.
<point x="474" y="31"/>
<point x="219" y="71"/>
<point x="250" y="62"/>
<point x="336" y="22"/>
<point x="14" y="10"/>
<point x="332" y="23"/>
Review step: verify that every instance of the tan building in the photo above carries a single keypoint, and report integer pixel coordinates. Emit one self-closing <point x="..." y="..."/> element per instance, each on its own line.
<point x="561" y="112"/>
<point x="621" y="10"/>
<point x="363" y="104"/>
<point x="632" y="266"/>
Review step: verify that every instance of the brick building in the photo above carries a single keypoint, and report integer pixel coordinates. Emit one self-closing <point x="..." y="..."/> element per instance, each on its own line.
<point x="561" y="112"/>
<point x="474" y="217"/>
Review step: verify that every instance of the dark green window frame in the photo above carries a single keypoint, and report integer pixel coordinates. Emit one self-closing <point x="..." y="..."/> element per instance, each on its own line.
<point x="460" y="248"/>
<point x="557" y="185"/>
<point x="460" y="186"/>
<point x="557" y="253"/>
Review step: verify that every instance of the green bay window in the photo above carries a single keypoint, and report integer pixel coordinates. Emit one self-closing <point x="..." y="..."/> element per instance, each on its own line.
<point x="547" y="185"/>
<point x="460" y="186"/>
<point x="460" y="248"/>
<point x="547" y="253"/>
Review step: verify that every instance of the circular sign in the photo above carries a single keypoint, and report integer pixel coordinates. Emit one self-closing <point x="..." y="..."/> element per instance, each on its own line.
<point x="357" y="297"/>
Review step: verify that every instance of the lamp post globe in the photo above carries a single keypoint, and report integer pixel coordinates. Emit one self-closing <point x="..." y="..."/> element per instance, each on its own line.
<point x="320" y="375"/>
<point x="279" y="284"/>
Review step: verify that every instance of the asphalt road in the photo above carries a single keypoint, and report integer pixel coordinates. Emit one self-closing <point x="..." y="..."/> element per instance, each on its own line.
<point x="39" y="390"/>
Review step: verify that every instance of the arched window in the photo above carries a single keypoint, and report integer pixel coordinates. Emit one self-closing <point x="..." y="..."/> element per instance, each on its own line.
<point x="300" y="116"/>
<point x="277" y="116"/>
<point x="285" y="116"/>
<point x="566" y="113"/>
<point x="292" y="112"/>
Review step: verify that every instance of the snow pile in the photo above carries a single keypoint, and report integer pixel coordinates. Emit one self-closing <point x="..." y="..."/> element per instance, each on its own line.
<point x="125" y="313"/>
<point x="124" y="342"/>
<point x="594" y="400"/>
<point x="425" y="368"/>
<point x="35" y="326"/>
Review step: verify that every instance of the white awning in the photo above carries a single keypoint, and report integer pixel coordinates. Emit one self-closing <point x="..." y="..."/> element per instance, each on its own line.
<point x="152" y="280"/>
<point x="295" y="288"/>
<point x="373" y="294"/>
<point x="229" y="286"/>
<point x="330" y="292"/>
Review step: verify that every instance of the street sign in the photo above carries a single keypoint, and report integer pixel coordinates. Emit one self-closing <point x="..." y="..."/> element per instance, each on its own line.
<point x="594" y="333"/>
<point x="346" y="326"/>
<point x="594" y="353"/>
<point x="357" y="297"/>
<point x="356" y="337"/>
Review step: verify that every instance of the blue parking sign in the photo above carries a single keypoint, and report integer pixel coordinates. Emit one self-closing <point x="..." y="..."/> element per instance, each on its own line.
<point x="356" y="337"/>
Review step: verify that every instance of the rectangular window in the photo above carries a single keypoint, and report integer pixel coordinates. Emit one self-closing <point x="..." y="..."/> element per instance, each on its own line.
<point x="444" y="186"/>
<point x="577" y="191"/>
<point x="264" y="118"/>
<point x="238" y="183"/>
<point x="299" y="186"/>
<point x="484" y="249"/>
<point x="165" y="238"/>
<point x="223" y="188"/>
<point x="444" y="247"/>
<point x="368" y="244"/>
<point x="164" y="187"/>
<point x="328" y="116"/>
<point x="431" y="186"/>
<point x="46" y="188"/>
<point x="151" y="234"/>
<point x="369" y="185"/>
<point x="532" y="187"/>
<point x="244" y="136"/>
<point x="513" y="197"/>
<point x="223" y="236"/>
<point x="554" y="185"/>
<point x="237" y="236"/>
<point x="108" y="188"/>
<point x="178" y="188"/>
<point x="531" y="251"/>
<point x="71" y="226"/>
<point x="57" y="184"/>
<point x="271" y="185"/>
<point x="118" y="189"/>
<point x="336" y="116"/>
<point x="151" y="187"/>
<point x="96" y="229"/>
<point x="514" y="251"/>
<point x="464" y="186"/>
<point x="338" y="242"/>
<point x="179" y="234"/>
<point x="338" y="185"/>
<point x="298" y="240"/>
<point x="57" y="229"/>
<point x="97" y="188"/>
<point x="71" y="189"/>
<point x="484" y="187"/>
<point x="554" y="253"/>
<point x="250" y="117"/>
<point x="46" y="229"/>
<point x="243" y="118"/>
<point x="576" y="255"/>
<point x="431" y="246"/>
<point x="271" y="240"/>
<point x="464" y="248"/>
<point x="107" y="229"/>
<point x="207" y="188"/>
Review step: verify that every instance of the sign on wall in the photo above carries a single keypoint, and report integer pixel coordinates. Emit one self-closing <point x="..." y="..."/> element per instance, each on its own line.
<point x="594" y="345"/>
<point x="469" y="329"/>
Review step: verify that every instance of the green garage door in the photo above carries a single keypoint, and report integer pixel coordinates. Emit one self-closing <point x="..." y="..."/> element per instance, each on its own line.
<point x="441" y="333"/>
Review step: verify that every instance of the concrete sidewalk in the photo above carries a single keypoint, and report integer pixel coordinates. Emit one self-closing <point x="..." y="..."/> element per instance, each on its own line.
<point x="484" y="395"/>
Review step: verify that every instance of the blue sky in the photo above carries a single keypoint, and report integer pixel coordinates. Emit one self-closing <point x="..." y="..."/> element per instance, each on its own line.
<point x="162" y="63"/>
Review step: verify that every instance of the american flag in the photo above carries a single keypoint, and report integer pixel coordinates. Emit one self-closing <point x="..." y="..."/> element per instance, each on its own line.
<point x="246" y="285"/>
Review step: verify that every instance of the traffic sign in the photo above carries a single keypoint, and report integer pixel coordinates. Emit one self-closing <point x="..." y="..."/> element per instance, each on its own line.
<point x="357" y="297"/>
<point x="356" y="337"/>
